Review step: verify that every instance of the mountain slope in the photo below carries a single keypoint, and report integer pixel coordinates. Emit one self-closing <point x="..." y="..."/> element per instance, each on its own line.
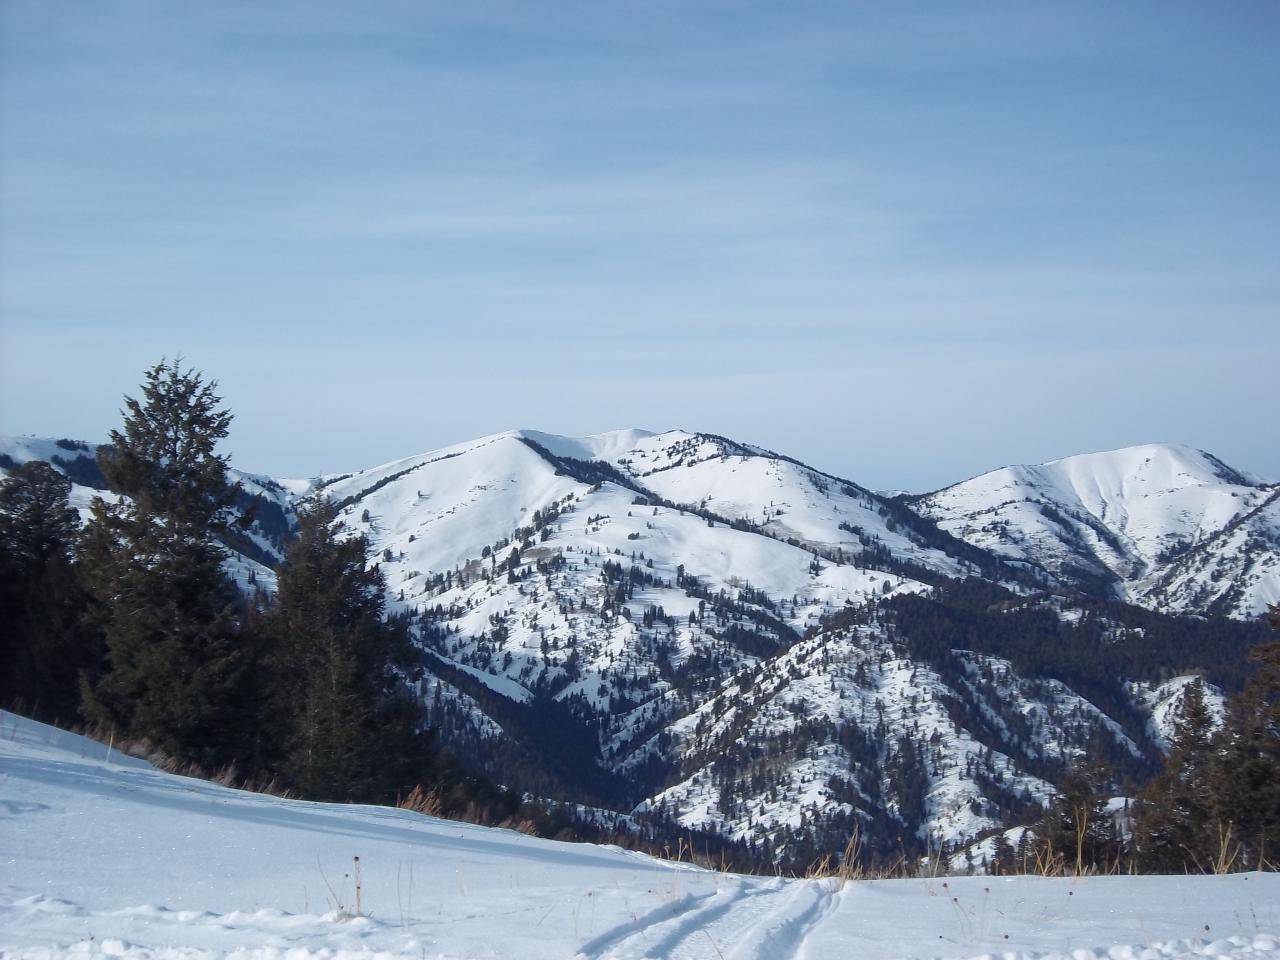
<point x="780" y="497"/>
<point x="1162" y="525"/>
<point x="1236" y="571"/>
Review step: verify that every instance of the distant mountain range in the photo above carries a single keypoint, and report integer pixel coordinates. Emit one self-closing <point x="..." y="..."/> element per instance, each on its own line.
<point x="700" y="632"/>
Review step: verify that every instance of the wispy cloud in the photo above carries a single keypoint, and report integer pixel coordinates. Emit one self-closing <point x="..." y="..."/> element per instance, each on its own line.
<point x="795" y="222"/>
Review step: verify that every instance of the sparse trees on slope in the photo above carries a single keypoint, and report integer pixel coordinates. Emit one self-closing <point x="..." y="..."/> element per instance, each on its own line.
<point x="177" y="665"/>
<point x="44" y="642"/>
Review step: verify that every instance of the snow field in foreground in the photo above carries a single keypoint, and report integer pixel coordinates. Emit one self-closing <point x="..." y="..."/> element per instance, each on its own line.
<point x="106" y="857"/>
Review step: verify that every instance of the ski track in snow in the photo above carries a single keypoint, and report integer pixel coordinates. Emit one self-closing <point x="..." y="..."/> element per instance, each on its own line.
<point x="782" y="934"/>
<point x="689" y="927"/>
<point x="607" y="943"/>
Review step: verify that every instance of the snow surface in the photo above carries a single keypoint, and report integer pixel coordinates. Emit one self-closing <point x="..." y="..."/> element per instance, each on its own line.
<point x="104" y="856"/>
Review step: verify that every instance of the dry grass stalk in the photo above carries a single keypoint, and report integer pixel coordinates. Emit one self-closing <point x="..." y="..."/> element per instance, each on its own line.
<point x="423" y="801"/>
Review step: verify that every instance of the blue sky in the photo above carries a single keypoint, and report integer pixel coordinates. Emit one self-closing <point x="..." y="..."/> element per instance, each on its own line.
<point x="904" y="242"/>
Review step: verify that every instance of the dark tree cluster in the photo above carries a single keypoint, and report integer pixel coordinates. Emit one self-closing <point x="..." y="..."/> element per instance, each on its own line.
<point x="1216" y="805"/>
<point x="133" y="626"/>
<point x="46" y="642"/>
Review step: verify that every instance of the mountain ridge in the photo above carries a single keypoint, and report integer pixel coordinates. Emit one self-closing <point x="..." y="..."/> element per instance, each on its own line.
<point x="1122" y="521"/>
<point x="706" y="634"/>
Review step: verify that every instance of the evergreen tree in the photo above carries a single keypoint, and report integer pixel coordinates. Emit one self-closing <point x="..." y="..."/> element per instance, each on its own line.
<point x="177" y="664"/>
<point x="1003" y="857"/>
<point x="1173" y="828"/>
<point x="1076" y="830"/>
<point x="1245" y="775"/>
<point x="45" y="643"/>
<point x="348" y="732"/>
<point x="1216" y="806"/>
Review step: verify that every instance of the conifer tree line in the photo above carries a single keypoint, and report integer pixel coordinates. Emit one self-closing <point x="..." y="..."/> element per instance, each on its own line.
<point x="1213" y="808"/>
<point x="132" y="625"/>
<point x="1216" y="805"/>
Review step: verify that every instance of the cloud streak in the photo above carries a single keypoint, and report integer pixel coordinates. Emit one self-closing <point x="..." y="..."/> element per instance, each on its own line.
<point x="858" y="231"/>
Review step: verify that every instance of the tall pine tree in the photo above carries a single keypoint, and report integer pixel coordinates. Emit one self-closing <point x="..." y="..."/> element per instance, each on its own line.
<point x="177" y="665"/>
<point x="1245" y="778"/>
<point x="348" y="730"/>
<point x="1175" y="818"/>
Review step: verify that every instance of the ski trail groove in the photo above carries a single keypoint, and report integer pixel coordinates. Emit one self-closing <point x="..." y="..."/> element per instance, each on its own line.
<point x="595" y="948"/>
<point x="833" y="890"/>
<point x="781" y="935"/>
<point x="692" y="923"/>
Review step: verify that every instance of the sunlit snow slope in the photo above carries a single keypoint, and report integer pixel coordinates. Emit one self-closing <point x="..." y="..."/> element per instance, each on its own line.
<point x="102" y="856"/>
<point x="1162" y="525"/>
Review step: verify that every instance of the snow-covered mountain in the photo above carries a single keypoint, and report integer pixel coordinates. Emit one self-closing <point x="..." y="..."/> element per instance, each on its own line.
<point x="455" y="500"/>
<point x="704" y="633"/>
<point x="719" y="618"/>
<point x="1161" y="525"/>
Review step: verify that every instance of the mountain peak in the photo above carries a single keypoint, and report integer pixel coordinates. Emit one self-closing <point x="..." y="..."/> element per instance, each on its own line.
<point x="1168" y="465"/>
<point x="1137" y="521"/>
<point x="608" y="445"/>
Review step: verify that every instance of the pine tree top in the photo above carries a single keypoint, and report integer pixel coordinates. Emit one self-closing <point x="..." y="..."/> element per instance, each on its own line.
<point x="165" y="460"/>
